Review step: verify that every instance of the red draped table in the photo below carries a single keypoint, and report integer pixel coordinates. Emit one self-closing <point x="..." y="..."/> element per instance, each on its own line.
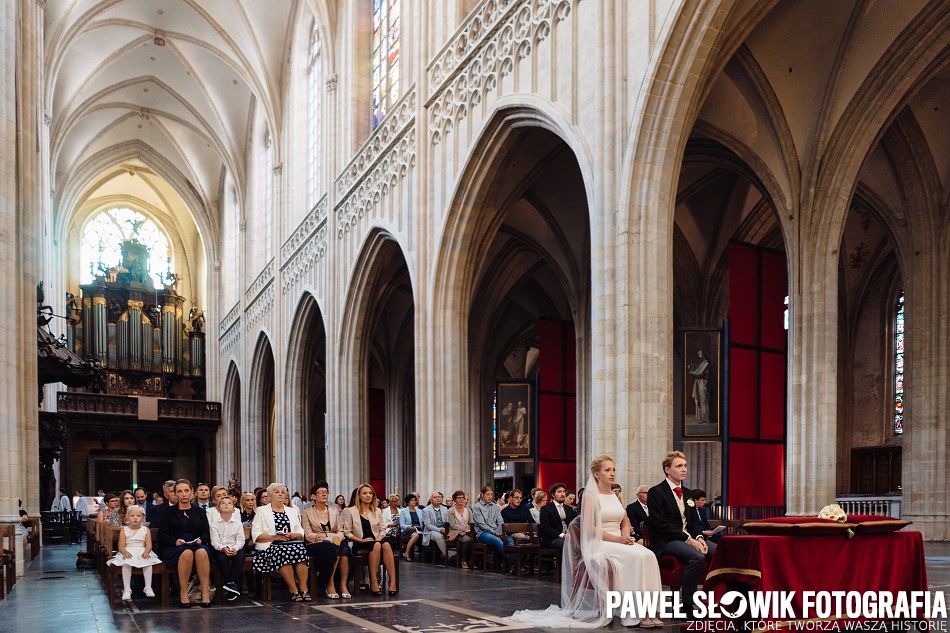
<point x="868" y="562"/>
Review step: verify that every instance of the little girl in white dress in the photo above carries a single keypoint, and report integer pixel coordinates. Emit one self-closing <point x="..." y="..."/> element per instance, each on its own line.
<point x="135" y="550"/>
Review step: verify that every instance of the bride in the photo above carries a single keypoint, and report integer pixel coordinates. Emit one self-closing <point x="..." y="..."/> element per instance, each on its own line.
<point x="600" y="555"/>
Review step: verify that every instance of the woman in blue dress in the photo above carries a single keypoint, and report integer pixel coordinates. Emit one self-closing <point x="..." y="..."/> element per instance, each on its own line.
<point x="184" y="539"/>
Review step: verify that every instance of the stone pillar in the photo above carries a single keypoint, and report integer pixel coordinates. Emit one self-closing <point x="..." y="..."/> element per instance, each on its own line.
<point x="11" y="483"/>
<point x="926" y="437"/>
<point x="812" y="376"/>
<point x="21" y="216"/>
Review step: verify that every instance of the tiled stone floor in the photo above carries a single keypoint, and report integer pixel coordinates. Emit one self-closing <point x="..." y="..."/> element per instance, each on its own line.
<point x="56" y="597"/>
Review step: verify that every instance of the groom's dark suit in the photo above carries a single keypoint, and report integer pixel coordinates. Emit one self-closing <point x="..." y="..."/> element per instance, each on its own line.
<point x="667" y="535"/>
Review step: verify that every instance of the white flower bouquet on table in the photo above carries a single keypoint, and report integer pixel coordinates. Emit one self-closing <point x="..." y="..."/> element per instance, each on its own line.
<point x="835" y="513"/>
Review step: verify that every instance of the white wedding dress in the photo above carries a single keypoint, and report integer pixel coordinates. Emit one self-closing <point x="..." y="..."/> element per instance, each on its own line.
<point x="592" y="566"/>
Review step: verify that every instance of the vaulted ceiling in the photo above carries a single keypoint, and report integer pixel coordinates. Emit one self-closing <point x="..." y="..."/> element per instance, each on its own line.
<point x="768" y="119"/>
<point x="173" y="84"/>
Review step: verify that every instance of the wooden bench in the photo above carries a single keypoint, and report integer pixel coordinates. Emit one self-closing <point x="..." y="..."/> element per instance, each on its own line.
<point x="7" y="559"/>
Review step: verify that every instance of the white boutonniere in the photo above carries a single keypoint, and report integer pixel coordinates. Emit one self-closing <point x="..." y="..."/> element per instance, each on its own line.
<point x="691" y="503"/>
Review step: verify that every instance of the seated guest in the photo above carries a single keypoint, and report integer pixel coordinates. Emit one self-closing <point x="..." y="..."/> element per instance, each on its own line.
<point x="637" y="511"/>
<point x="539" y="498"/>
<point x="248" y="507"/>
<point x="486" y="515"/>
<point x="262" y="497"/>
<point x="127" y="501"/>
<point x="674" y="525"/>
<point x="135" y="550"/>
<point x="110" y="516"/>
<point x="699" y="498"/>
<point x="326" y="543"/>
<point x="25" y="524"/>
<point x="168" y="494"/>
<point x="217" y="494"/>
<point x="278" y="538"/>
<point x="555" y="517"/>
<point x="617" y="490"/>
<point x="460" y="528"/>
<point x="515" y="511"/>
<point x="364" y="526"/>
<point x="572" y="499"/>
<point x="185" y="539"/>
<point x="203" y="496"/>
<point x="227" y="539"/>
<point x="411" y="525"/>
<point x="435" y="522"/>
<point x="141" y="498"/>
<point x="391" y="516"/>
<point x="340" y="502"/>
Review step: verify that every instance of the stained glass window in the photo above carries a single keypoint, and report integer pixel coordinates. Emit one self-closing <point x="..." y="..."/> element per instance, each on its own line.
<point x="385" y="57"/>
<point x="899" y="366"/>
<point x="314" y="72"/>
<point x="100" y="247"/>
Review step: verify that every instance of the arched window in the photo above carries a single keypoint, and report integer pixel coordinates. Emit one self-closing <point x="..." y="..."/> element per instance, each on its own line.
<point x="100" y="246"/>
<point x="899" y="366"/>
<point x="314" y="102"/>
<point x="385" y="57"/>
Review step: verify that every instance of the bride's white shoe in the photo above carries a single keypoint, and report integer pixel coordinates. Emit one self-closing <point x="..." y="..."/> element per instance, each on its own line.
<point x="649" y="623"/>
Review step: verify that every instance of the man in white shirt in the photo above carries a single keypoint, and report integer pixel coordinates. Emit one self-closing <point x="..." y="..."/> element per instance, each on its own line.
<point x="65" y="505"/>
<point x="638" y="511"/>
<point x="555" y="517"/>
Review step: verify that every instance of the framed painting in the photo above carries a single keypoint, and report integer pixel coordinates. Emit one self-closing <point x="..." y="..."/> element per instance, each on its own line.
<point x="702" y="373"/>
<point x="515" y="404"/>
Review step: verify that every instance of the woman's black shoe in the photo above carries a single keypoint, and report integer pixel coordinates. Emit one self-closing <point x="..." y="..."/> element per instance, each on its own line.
<point x="184" y="605"/>
<point x="205" y="605"/>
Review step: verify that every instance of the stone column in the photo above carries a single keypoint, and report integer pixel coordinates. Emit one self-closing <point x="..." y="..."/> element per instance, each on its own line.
<point x="926" y="436"/>
<point x="23" y="208"/>
<point x="11" y="477"/>
<point x="812" y="379"/>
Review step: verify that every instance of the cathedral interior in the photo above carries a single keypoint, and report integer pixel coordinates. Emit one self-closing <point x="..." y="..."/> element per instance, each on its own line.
<point x="434" y="244"/>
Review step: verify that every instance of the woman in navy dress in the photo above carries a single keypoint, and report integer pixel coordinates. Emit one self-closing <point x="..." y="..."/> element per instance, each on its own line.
<point x="184" y="537"/>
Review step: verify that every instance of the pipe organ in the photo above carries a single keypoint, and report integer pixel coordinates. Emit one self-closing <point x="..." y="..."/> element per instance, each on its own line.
<point x="139" y="333"/>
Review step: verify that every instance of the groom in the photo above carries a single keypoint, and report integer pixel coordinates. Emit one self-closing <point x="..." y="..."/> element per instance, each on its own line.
<point x="674" y="524"/>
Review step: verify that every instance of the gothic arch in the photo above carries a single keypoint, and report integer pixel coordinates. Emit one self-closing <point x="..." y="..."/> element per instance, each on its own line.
<point x="305" y="386"/>
<point x="523" y="137"/>
<point x="382" y="275"/>
<point x="258" y="436"/>
<point x="230" y="442"/>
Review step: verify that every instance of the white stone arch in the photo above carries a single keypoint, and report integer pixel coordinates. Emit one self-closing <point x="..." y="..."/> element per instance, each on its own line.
<point x="307" y="331"/>
<point x="229" y="442"/>
<point x="258" y="441"/>
<point x="452" y="278"/>
<point x="348" y="449"/>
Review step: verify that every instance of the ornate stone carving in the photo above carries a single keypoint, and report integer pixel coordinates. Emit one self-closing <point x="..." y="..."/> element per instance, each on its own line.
<point x="383" y="138"/>
<point x="487" y="47"/>
<point x="229" y="319"/>
<point x="262" y="304"/>
<point x="386" y="174"/>
<point x="303" y="232"/>
<point x="305" y="258"/>
<point x="266" y="276"/>
<point x="231" y="336"/>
